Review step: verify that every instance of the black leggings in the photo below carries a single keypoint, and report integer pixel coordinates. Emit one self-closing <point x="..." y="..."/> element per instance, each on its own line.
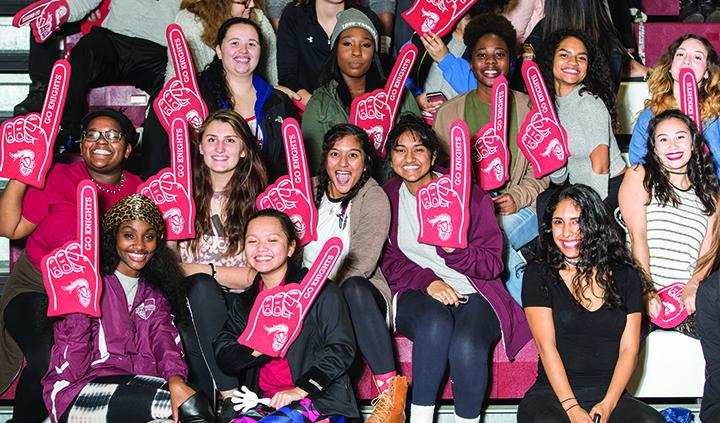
<point x="209" y="307"/>
<point x="464" y="335"/>
<point x="26" y="322"/>
<point x="367" y="312"/>
<point x="120" y="399"/>
<point x="541" y="405"/>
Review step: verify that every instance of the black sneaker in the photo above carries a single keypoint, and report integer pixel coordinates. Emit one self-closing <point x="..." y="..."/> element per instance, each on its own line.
<point x="34" y="100"/>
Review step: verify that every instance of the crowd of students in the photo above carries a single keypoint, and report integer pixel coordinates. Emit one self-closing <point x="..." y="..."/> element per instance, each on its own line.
<point x="571" y="260"/>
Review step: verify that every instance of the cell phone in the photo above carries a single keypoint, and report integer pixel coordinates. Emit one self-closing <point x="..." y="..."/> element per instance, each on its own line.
<point x="435" y="97"/>
<point x="596" y="418"/>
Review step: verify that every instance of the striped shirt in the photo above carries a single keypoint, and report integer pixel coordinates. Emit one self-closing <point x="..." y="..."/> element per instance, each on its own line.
<point x="674" y="236"/>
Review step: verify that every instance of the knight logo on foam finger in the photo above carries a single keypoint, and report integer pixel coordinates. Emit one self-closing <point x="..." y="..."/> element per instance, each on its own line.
<point x="172" y="188"/>
<point x="70" y="273"/>
<point x="277" y="315"/>
<point x="443" y="205"/>
<point x="180" y="98"/>
<point x="491" y="156"/>
<point x="26" y="145"/>
<point x="671" y="313"/>
<point x="375" y="112"/>
<point x="541" y="138"/>
<point x="438" y="16"/>
<point x="292" y="193"/>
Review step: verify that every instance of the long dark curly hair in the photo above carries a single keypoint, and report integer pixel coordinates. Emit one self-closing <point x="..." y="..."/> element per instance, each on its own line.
<point x="700" y="168"/>
<point x="332" y="136"/>
<point x="249" y="179"/>
<point x="214" y="79"/>
<point x="602" y="250"/>
<point x="598" y="72"/>
<point x="330" y="71"/>
<point x="162" y="271"/>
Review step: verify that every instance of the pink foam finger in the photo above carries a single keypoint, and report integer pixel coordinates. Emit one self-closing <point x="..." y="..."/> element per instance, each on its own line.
<point x="277" y="314"/>
<point x="398" y="76"/>
<point x="375" y="112"/>
<point x="70" y="272"/>
<point x="537" y="90"/>
<point x="671" y="314"/>
<point x="181" y="57"/>
<point x="29" y="14"/>
<point x="88" y="221"/>
<point x="438" y="16"/>
<point x="689" y="103"/>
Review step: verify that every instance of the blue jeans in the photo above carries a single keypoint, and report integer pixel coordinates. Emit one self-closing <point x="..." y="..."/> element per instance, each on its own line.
<point x="519" y="228"/>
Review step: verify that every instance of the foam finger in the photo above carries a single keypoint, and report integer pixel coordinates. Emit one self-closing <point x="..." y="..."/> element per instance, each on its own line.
<point x="296" y="158"/>
<point x="28" y="14"/>
<point x="398" y="77"/>
<point x="537" y="90"/>
<point x="181" y="58"/>
<point x="87" y="230"/>
<point x="54" y="104"/>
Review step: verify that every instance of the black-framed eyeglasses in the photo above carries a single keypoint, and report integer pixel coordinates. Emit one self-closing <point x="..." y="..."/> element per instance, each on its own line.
<point x="111" y="135"/>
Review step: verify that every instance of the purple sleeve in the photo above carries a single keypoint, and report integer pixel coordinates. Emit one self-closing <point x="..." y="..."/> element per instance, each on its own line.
<point x="72" y="346"/>
<point x="167" y="348"/>
<point x="403" y="274"/>
<point x="482" y="259"/>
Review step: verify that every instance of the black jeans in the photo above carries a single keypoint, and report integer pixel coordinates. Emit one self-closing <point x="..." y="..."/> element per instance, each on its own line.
<point x="367" y="312"/>
<point x="209" y="307"/>
<point x="541" y="405"/>
<point x="103" y="57"/>
<point x="26" y="322"/>
<point x="707" y="321"/>
<point x="463" y="336"/>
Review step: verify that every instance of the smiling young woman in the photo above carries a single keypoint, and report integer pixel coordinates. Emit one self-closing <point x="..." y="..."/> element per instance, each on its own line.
<point x="583" y="301"/>
<point x="47" y="217"/>
<point x="669" y="205"/>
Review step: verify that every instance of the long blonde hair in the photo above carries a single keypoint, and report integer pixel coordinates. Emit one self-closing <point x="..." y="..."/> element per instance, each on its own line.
<point x="660" y="83"/>
<point x="213" y="13"/>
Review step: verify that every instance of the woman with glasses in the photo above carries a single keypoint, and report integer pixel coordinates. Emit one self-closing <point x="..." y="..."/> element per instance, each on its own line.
<point x="47" y="218"/>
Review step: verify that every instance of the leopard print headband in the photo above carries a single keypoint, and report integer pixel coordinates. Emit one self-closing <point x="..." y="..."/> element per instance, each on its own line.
<point x="134" y="207"/>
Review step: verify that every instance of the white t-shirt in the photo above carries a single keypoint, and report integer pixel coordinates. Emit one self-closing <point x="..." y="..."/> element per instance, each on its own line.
<point x="129" y="286"/>
<point x="333" y="221"/>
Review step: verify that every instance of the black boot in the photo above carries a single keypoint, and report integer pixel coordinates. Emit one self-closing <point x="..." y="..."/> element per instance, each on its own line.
<point x="196" y="409"/>
<point x="34" y="100"/>
<point x="690" y="11"/>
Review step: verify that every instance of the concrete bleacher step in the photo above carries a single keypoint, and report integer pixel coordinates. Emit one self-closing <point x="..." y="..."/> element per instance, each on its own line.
<point x="659" y="35"/>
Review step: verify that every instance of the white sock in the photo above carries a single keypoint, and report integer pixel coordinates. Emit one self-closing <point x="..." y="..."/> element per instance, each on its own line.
<point x="459" y="419"/>
<point x="421" y="413"/>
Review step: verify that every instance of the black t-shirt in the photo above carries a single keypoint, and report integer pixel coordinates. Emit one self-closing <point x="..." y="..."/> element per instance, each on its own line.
<point x="588" y="342"/>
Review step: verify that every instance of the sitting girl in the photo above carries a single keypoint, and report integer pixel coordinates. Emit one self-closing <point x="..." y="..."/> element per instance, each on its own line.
<point x="126" y="366"/>
<point x="583" y="301"/>
<point x="669" y="206"/>
<point x="311" y="382"/>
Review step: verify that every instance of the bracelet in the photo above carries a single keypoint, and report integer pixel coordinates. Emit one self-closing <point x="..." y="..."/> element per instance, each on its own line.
<point x="570" y="408"/>
<point x="213" y="269"/>
<point x="566" y="400"/>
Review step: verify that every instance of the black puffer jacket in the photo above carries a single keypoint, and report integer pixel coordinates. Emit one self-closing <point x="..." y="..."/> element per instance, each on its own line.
<point x="319" y="358"/>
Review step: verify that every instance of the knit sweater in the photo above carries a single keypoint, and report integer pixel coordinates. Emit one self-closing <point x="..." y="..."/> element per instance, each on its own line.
<point x="588" y="125"/>
<point x="146" y="19"/>
<point x="203" y="54"/>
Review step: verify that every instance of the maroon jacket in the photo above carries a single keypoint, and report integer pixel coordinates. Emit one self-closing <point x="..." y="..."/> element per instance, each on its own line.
<point x="143" y="341"/>
<point x="481" y="262"/>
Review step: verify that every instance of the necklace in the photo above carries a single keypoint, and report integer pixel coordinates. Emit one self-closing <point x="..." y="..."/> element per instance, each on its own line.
<point x="674" y="172"/>
<point x="572" y="262"/>
<point x="115" y="190"/>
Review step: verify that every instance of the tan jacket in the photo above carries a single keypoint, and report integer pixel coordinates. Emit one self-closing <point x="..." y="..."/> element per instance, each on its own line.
<point x="522" y="187"/>
<point x="369" y="226"/>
